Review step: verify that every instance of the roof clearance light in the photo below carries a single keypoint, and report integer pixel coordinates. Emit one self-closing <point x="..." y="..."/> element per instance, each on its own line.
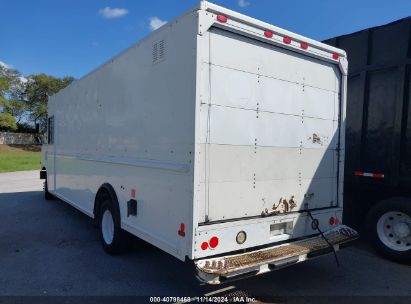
<point x="213" y="242"/>
<point x="287" y="40"/>
<point x="336" y="56"/>
<point x="304" y="45"/>
<point x="268" y="34"/>
<point x="222" y="19"/>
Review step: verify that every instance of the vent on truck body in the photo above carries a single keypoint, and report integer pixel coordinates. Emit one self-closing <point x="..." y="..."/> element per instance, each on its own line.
<point x="159" y="51"/>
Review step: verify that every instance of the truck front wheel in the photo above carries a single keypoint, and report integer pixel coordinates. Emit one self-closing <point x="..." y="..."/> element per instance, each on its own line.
<point x="111" y="235"/>
<point x="389" y="228"/>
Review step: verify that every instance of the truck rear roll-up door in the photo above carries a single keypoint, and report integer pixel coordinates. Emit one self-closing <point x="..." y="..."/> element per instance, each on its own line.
<point x="273" y="128"/>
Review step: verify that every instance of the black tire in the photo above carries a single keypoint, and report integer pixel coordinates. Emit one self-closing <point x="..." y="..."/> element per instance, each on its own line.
<point x="47" y="195"/>
<point x="402" y="205"/>
<point x="119" y="241"/>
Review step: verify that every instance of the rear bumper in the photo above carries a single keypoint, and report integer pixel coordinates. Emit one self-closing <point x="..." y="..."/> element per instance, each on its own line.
<point x="232" y="267"/>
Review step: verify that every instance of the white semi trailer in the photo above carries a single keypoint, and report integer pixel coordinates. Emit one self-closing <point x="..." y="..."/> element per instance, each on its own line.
<point x="218" y="138"/>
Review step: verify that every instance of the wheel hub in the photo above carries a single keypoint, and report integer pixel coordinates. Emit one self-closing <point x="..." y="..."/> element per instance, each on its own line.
<point x="401" y="229"/>
<point x="107" y="227"/>
<point x="394" y="230"/>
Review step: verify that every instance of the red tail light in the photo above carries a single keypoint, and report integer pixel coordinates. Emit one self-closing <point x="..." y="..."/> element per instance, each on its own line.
<point x="213" y="242"/>
<point x="331" y="221"/>
<point x="222" y="18"/>
<point x="204" y="246"/>
<point x="182" y="232"/>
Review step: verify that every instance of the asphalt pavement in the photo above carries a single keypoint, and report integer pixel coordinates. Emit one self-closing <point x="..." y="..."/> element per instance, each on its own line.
<point x="50" y="248"/>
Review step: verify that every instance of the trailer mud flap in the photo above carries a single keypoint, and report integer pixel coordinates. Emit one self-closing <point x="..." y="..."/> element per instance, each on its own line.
<point x="232" y="267"/>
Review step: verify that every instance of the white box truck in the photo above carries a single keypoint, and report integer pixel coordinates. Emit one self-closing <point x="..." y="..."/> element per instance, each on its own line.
<point x="218" y="138"/>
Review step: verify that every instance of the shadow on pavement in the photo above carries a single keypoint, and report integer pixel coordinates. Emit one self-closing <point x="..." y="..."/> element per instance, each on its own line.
<point x="50" y="248"/>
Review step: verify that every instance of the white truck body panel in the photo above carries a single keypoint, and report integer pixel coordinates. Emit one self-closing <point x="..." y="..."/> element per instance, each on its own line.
<point x="271" y="97"/>
<point x="210" y="123"/>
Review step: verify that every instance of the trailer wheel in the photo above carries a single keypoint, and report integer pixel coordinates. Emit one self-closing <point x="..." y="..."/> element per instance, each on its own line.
<point x="47" y="195"/>
<point x="112" y="237"/>
<point x="389" y="228"/>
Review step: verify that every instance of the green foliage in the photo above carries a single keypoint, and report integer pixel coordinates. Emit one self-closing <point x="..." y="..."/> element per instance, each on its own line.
<point x="5" y="83"/>
<point x="9" y="81"/>
<point x="26" y="127"/>
<point x="22" y="99"/>
<point x="15" y="107"/>
<point x="37" y="91"/>
<point x="7" y="122"/>
<point x="4" y="79"/>
<point x="12" y="107"/>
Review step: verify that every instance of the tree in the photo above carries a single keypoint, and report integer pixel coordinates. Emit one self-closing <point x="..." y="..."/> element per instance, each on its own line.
<point x="7" y="122"/>
<point x="5" y="83"/>
<point x="37" y="90"/>
<point x="11" y="87"/>
<point x="17" y="108"/>
<point x="25" y="99"/>
<point x="10" y="81"/>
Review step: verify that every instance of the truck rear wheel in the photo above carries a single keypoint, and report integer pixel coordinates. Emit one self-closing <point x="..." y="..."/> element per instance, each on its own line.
<point x="112" y="237"/>
<point x="389" y="228"/>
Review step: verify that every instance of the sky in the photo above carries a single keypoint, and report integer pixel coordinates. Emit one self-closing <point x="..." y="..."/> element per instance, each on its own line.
<point x="73" y="37"/>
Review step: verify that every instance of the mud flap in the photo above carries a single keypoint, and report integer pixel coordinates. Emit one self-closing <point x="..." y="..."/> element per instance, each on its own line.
<point x="232" y="267"/>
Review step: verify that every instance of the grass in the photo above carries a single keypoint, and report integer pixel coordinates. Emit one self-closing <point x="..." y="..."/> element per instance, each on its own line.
<point x="19" y="158"/>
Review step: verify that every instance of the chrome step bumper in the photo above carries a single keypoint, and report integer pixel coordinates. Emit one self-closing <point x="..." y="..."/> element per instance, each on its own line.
<point x="232" y="267"/>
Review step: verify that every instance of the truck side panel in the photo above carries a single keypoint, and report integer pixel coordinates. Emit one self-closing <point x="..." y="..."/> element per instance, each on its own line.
<point x="131" y="124"/>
